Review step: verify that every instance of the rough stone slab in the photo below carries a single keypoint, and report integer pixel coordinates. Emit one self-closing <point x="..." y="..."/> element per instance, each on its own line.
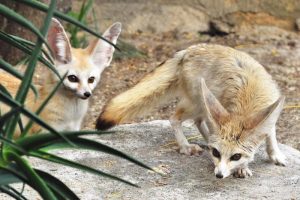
<point x="194" y="15"/>
<point x="188" y="177"/>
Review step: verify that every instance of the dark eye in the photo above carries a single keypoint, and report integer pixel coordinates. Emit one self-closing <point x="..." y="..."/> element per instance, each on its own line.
<point x="91" y="79"/>
<point x="236" y="157"/>
<point x="73" y="78"/>
<point x="216" y="153"/>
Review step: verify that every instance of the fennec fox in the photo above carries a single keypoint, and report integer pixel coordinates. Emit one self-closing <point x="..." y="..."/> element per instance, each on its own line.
<point x="66" y="109"/>
<point x="235" y="113"/>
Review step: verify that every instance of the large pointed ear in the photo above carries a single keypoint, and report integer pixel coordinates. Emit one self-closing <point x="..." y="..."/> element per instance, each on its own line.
<point x="266" y="117"/>
<point x="214" y="110"/>
<point x="59" y="42"/>
<point x="100" y="50"/>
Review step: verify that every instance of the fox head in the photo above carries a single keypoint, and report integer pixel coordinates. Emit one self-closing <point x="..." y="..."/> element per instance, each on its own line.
<point x="83" y="67"/>
<point x="233" y="139"/>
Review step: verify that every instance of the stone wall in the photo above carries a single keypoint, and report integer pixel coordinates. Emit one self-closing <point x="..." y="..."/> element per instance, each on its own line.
<point x="198" y="15"/>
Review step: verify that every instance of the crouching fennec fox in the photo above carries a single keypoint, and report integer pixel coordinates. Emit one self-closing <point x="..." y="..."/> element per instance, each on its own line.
<point x="66" y="109"/>
<point x="235" y="113"/>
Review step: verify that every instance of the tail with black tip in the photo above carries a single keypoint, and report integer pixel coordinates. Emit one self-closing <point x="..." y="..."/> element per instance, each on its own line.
<point x="153" y="90"/>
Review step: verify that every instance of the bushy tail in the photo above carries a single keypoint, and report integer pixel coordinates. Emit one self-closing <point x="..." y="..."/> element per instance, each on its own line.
<point x="152" y="90"/>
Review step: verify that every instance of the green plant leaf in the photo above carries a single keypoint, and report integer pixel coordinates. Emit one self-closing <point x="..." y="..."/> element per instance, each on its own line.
<point x="10" y="115"/>
<point x="65" y="162"/>
<point x="25" y="84"/>
<point x="13" y="145"/>
<point x="23" y="90"/>
<point x="26" y="47"/>
<point x="12" y="173"/>
<point x="85" y="8"/>
<point x="8" y="68"/>
<point x="12" y="103"/>
<point x="48" y="141"/>
<point x="8" y="177"/>
<point x="73" y="14"/>
<point x="16" y="17"/>
<point x="58" y="187"/>
<point x="42" y="7"/>
<point x="97" y="146"/>
<point x="34" y="179"/>
<point x="129" y="51"/>
<point x="23" y="45"/>
<point x="12" y="192"/>
<point x="7" y="116"/>
<point x="5" y="91"/>
<point x="31" y="44"/>
<point x="38" y="141"/>
<point x="42" y="106"/>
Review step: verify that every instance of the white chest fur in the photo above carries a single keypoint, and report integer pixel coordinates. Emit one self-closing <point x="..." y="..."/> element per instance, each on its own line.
<point x="67" y="113"/>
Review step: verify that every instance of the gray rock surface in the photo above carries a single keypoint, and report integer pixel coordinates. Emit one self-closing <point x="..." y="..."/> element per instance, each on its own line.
<point x="187" y="177"/>
<point x="195" y="15"/>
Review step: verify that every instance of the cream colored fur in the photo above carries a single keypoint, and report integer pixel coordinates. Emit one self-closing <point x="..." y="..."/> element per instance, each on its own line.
<point x="235" y="113"/>
<point x="67" y="108"/>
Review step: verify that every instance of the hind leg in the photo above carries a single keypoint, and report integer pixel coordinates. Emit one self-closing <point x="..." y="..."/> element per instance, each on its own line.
<point x="273" y="150"/>
<point x="184" y="146"/>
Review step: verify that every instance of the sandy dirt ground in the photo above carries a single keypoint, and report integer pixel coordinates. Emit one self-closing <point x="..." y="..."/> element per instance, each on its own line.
<point x="276" y="49"/>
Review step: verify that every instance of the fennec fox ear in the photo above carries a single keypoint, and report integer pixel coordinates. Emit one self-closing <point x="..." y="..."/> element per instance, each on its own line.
<point x="59" y="42"/>
<point x="215" y="111"/>
<point x="266" y="117"/>
<point x="100" y="50"/>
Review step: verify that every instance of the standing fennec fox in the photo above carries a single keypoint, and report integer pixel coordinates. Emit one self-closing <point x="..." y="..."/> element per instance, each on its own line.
<point x="235" y="114"/>
<point x="83" y="67"/>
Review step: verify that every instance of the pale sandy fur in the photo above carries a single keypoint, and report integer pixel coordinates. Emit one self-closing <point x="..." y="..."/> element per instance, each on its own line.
<point x="239" y="82"/>
<point x="61" y="109"/>
<point x="234" y="102"/>
<point x="82" y="69"/>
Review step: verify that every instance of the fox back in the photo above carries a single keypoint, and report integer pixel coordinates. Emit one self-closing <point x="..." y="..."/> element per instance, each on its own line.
<point x="235" y="79"/>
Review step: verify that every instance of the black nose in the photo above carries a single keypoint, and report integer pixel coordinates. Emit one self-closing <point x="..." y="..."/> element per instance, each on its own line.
<point x="219" y="175"/>
<point x="87" y="94"/>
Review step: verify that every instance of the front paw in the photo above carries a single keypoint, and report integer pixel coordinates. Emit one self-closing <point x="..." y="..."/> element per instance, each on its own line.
<point x="278" y="159"/>
<point x="242" y="173"/>
<point x="190" y="149"/>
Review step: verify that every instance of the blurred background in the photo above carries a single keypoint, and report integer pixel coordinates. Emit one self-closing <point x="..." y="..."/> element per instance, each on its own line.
<point x="154" y="30"/>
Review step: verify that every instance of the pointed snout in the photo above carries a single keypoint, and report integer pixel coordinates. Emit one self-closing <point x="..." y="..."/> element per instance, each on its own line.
<point x="84" y="92"/>
<point x="222" y="170"/>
